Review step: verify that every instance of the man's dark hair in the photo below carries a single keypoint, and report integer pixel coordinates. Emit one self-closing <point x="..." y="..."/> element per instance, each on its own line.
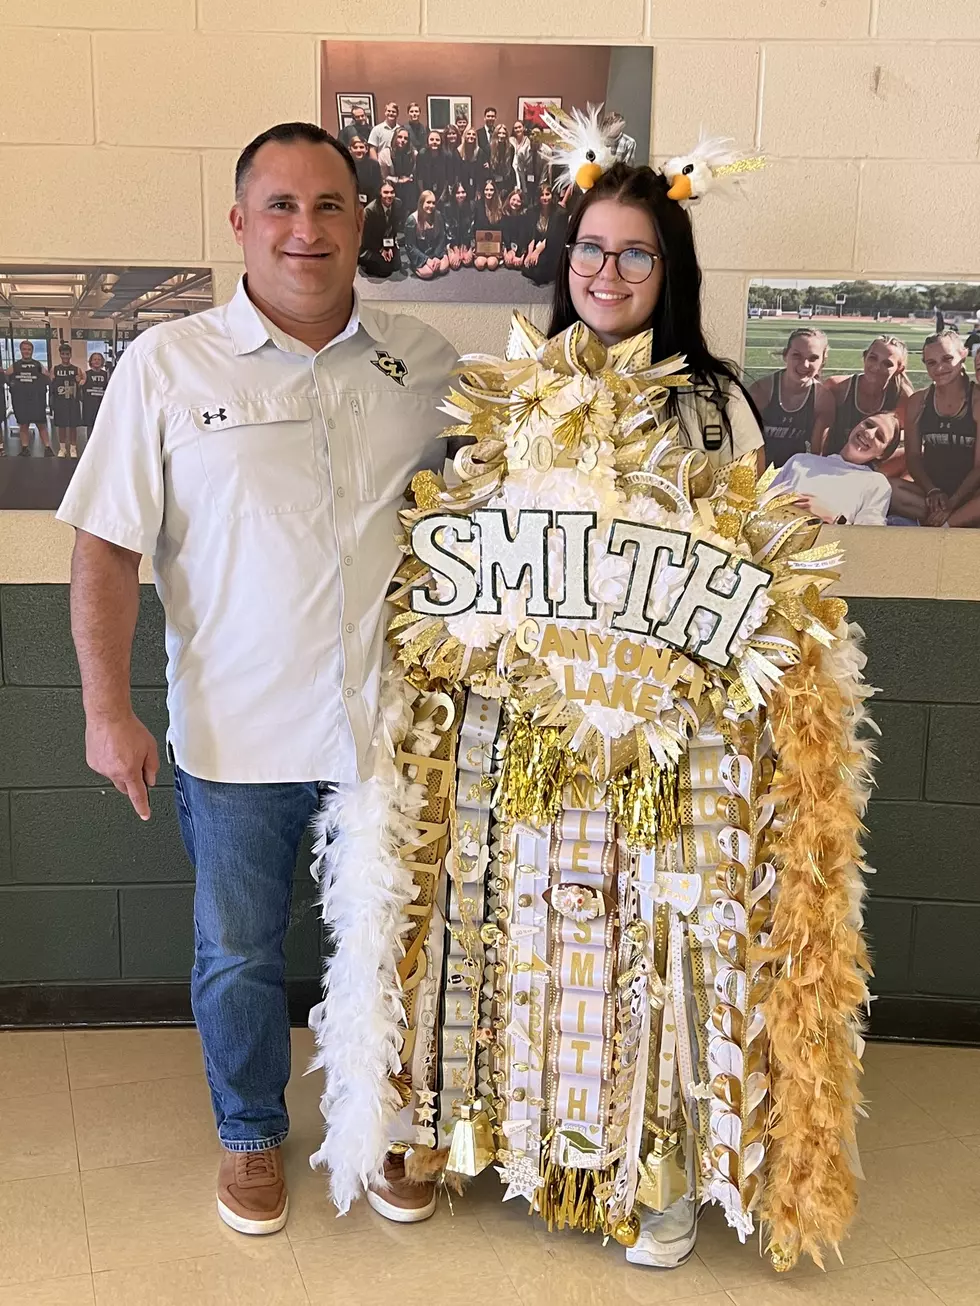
<point x="285" y="133"/>
<point x="489" y="109"/>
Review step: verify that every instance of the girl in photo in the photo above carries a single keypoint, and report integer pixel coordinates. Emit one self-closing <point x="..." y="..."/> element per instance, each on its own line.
<point x="432" y="169"/>
<point x="500" y="159"/>
<point x="461" y="229"/>
<point x="515" y="230"/>
<point x="941" y="444"/>
<point x="543" y="266"/>
<point x="628" y="265"/>
<point x="847" y="488"/>
<point x="470" y="167"/>
<point x="451" y="141"/>
<point x="797" y="409"/>
<point x="541" y="219"/>
<point x="882" y="387"/>
<point x="425" y="239"/>
<point x="398" y="166"/>
<point x="523" y="158"/>
<point x="368" y="171"/>
<point x="489" y="217"/>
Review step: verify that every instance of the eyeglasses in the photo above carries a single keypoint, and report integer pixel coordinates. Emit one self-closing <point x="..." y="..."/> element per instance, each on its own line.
<point x="586" y="259"/>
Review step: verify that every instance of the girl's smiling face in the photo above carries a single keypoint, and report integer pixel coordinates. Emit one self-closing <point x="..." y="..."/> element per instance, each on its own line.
<point x="613" y="308"/>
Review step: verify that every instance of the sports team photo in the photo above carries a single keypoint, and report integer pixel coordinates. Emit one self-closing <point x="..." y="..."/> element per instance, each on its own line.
<point x="869" y="394"/>
<point x="461" y="192"/>
<point x="62" y="330"/>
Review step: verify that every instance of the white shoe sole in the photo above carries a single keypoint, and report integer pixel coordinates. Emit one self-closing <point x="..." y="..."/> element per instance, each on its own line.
<point x="637" y="1256"/>
<point x="400" y="1214"/>
<point x="254" y="1227"/>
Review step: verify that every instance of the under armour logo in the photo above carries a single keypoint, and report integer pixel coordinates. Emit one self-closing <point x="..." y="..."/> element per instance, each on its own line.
<point x="395" y="368"/>
<point x="219" y="416"/>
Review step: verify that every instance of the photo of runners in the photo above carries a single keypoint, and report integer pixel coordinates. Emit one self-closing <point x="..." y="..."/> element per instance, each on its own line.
<point x="456" y="176"/>
<point x="869" y="393"/>
<point x="62" y="329"/>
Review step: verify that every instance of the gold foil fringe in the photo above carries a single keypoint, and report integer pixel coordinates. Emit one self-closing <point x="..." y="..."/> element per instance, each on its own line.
<point x="571" y="1198"/>
<point x="536" y="768"/>
<point x="646" y="807"/>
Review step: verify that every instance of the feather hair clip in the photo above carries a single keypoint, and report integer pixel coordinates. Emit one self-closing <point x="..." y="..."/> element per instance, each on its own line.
<point x="580" y="145"/>
<point x="714" y="164"/>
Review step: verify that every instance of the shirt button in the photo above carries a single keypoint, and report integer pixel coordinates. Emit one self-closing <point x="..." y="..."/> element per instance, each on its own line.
<point x="348" y="561"/>
<point x="331" y="423"/>
<point x="349" y="628"/>
<point x="348" y="693"/>
<point x="340" y="491"/>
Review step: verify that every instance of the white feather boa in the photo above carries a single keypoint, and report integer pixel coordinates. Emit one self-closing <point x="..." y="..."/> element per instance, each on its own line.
<point x="359" y="1025"/>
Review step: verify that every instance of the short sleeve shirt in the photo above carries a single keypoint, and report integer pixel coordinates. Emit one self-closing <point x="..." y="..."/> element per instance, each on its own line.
<point x="265" y="481"/>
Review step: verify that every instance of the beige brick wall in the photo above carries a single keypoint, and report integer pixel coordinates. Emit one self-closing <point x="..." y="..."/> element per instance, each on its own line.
<point x="119" y="124"/>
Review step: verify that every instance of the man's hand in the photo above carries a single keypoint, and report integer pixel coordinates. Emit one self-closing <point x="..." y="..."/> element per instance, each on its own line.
<point x="124" y="751"/>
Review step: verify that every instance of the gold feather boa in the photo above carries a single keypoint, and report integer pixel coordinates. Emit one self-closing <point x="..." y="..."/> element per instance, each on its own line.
<point x="820" y="961"/>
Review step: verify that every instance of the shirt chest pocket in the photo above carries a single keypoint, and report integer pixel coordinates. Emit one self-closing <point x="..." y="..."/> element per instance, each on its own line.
<point x="259" y="455"/>
<point x="394" y="435"/>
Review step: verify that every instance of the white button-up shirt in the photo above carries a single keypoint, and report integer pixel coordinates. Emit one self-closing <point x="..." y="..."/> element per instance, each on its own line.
<point x="265" y="479"/>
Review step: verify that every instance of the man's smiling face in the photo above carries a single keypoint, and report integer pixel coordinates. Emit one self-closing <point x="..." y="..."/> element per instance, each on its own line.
<point x="299" y="223"/>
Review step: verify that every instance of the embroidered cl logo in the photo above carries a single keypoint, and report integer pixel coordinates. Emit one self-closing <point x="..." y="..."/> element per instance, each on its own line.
<point x="219" y="416"/>
<point x="394" y="368"/>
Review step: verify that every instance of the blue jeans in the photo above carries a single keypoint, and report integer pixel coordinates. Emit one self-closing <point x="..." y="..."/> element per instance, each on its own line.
<point x="243" y="841"/>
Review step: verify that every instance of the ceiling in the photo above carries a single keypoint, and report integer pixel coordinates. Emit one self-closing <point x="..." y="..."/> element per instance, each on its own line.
<point x="103" y="292"/>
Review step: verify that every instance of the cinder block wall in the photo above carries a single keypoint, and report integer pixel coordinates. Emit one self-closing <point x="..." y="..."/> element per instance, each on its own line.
<point x="93" y="902"/>
<point x="119" y="125"/>
<point x="866" y="107"/>
<point x="88" y="894"/>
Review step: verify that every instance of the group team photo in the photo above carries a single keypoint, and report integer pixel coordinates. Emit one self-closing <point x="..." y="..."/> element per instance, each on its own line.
<point x="871" y="415"/>
<point x="464" y="183"/>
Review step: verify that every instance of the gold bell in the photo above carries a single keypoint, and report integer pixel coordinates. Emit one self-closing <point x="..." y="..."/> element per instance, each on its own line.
<point x="627" y="1231"/>
<point x="663" y="1177"/>
<point x="471" y="1148"/>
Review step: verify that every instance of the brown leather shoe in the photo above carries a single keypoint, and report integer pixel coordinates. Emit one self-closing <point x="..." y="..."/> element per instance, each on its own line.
<point x="401" y="1199"/>
<point x="252" y="1191"/>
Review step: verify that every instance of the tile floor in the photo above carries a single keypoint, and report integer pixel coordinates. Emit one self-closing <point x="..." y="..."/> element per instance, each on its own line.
<point x="107" y="1166"/>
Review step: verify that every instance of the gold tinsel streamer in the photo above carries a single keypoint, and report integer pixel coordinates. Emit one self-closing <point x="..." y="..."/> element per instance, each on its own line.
<point x="647" y="807"/>
<point x="536" y="768"/>
<point x="812" y="1009"/>
<point x="572" y="1198"/>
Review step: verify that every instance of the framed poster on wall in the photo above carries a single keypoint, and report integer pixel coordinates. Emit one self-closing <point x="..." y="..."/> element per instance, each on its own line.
<point x="348" y="101"/>
<point x="445" y="109"/>
<point x="531" y="107"/>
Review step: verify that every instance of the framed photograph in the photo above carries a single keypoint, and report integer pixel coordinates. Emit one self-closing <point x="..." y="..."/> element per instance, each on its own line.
<point x="490" y="74"/>
<point x="348" y="102"/>
<point x="531" y="107"/>
<point x="461" y="106"/>
<point x="855" y="380"/>
<point x="63" y="327"/>
<point x="442" y="110"/>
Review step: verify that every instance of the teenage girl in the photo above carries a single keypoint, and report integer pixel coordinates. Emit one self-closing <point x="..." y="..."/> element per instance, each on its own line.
<point x="628" y="265"/>
<point x="797" y="409"/>
<point x="941" y="446"/>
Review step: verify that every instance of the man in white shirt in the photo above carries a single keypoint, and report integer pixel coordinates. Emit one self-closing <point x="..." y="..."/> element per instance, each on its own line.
<point x="383" y="132"/>
<point x="624" y="146"/>
<point x="259" y="452"/>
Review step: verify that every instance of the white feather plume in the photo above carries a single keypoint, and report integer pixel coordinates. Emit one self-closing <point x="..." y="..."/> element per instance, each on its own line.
<point x="359" y="1024"/>
<point x="581" y="140"/>
<point x="709" y="166"/>
<point x="365" y="888"/>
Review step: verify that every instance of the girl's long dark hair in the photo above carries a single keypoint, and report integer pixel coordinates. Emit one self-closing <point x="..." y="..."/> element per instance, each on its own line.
<point x="676" y="325"/>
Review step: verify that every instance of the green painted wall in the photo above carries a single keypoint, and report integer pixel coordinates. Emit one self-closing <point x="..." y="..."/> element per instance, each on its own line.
<point x="89" y="894"/>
